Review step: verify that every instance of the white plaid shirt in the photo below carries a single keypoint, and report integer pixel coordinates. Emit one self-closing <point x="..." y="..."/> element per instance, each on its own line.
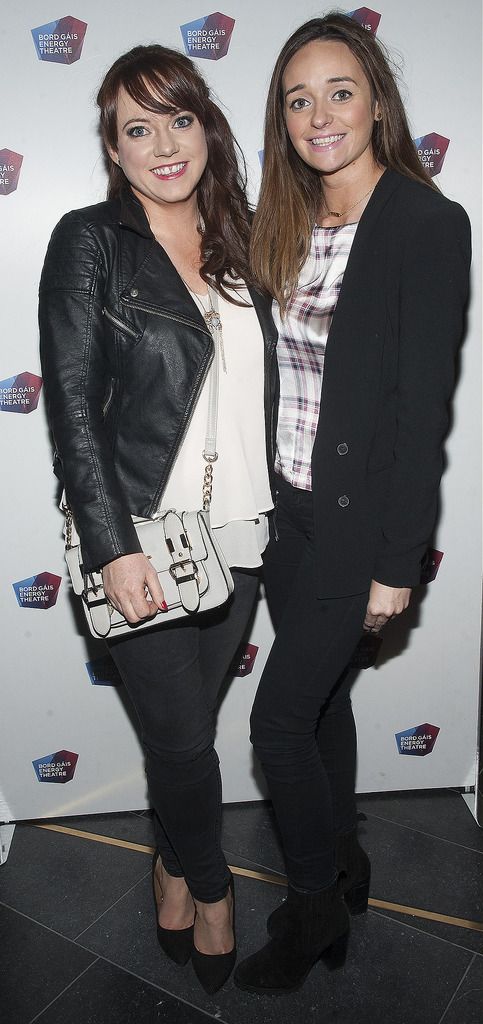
<point x="301" y="349"/>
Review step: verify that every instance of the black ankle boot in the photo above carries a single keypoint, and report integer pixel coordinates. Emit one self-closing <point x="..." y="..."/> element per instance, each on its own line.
<point x="354" y="875"/>
<point x="213" y="969"/>
<point x="316" y="927"/>
<point x="354" y="869"/>
<point x="176" y="943"/>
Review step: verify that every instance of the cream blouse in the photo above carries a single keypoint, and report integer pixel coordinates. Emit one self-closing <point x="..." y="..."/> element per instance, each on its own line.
<point x="241" y="492"/>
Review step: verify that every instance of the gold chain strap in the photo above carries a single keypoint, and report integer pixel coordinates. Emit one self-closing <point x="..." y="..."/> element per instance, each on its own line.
<point x="208" y="481"/>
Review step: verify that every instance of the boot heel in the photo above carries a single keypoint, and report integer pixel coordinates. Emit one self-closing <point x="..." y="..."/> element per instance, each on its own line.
<point x="356" y="898"/>
<point x="335" y="954"/>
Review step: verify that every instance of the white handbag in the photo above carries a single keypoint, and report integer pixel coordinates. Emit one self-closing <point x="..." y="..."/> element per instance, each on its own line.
<point x="181" y="546"/>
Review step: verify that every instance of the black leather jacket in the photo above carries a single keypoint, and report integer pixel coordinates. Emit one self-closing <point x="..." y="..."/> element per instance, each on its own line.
<point x="124" y="353"/>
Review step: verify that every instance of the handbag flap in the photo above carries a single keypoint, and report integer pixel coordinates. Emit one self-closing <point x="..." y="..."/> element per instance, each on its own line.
<point x="154" y="541"/>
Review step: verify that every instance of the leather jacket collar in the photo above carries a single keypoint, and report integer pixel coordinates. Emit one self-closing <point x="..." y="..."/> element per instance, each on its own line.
<point x="132" y="214"/>
<point x="133" y="217"/>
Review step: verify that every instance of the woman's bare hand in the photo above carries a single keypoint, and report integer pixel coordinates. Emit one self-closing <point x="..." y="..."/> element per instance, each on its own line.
<point x="384" y="604"/>
<point x="132" y="587"/>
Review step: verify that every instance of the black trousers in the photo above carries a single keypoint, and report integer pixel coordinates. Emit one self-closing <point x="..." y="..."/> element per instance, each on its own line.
<point x="302" y="726"/>
<point x="173" y="676"/>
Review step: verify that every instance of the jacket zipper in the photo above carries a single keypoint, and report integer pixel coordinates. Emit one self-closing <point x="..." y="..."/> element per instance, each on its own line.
<point x="197" y="387"/>
<point x="108" y="401"/>
<point x="120" y="323"/>
<point x="184" y="427"/>
<point x="169" y="316"/>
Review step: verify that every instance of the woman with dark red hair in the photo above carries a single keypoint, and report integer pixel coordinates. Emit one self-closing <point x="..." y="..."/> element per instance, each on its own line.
<point x="125" y="309"/>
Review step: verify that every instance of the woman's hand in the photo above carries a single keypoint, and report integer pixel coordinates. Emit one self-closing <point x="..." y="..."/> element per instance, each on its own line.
<point x="132" y="586"/>
<point x="384" y="604"/>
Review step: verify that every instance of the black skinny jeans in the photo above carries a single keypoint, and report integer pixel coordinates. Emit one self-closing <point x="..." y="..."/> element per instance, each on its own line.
<point x="173" y="676"/>
<point x="303" y="729"/>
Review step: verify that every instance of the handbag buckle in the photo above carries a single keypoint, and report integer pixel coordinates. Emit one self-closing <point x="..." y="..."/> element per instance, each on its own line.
<point x="186" y="576"/>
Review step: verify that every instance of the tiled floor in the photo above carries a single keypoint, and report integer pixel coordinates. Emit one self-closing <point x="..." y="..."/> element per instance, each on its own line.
<point x="77" y="942"/>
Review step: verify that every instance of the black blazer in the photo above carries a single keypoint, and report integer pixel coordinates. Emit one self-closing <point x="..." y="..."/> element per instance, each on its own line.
<point x="388" y="378"/>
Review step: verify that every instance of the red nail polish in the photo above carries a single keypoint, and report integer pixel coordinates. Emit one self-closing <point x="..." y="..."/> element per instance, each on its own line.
<point x="164" y="606"/>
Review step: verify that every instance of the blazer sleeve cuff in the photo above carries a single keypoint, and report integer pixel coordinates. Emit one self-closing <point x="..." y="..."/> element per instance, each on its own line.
<point x="399" y="570"/>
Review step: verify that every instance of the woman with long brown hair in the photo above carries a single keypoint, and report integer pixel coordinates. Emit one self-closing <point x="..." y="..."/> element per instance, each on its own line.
<point x="369" y="321"/>
<point x="125" y="310"/>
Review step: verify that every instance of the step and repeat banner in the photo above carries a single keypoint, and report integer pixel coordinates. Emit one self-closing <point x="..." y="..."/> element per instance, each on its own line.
<point x="68" y="738"/>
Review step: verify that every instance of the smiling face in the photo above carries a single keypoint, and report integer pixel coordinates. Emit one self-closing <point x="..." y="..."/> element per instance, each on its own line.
<point x="328" y="108"/>
<point x="162" y="155"/>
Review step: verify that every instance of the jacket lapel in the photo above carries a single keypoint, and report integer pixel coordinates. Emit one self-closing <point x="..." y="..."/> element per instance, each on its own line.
<point x="263" y="308"/>
<point x="361" y="295"/>
<point x="160" y="287"/>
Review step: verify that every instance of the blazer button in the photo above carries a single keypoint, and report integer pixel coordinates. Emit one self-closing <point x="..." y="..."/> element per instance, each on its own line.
<point x="134" y="293"/>
<point x="342" y="448"/>
<point x="343" y="501"/>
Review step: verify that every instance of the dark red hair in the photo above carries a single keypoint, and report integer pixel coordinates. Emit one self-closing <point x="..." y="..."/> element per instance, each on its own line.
<point x="164" y="81"/>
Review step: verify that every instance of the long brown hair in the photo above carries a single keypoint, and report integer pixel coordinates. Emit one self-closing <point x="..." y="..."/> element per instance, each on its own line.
<point x="165" y="81"/>
<point x="291" y="191"/>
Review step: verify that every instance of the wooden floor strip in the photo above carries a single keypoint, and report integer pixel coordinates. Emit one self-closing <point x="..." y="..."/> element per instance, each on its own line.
<point x="397" y="908"/>
<point x="428" y="915"/>
<point x="93" y="836"/>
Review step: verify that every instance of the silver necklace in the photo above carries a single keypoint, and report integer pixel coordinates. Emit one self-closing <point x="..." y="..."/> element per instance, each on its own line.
<point x="212" y="319"/>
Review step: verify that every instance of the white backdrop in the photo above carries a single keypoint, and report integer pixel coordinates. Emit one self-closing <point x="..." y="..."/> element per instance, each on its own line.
<point x="50" y="703"/>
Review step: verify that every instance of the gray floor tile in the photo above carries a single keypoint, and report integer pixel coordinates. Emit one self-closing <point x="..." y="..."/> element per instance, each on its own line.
<point x="107" y="995"/>
<point x="65" y="882"/>
<point x="414" y="870"/>
<point x="466" y="1006"/>
<point x="249" y="831"/>
<point x="440" y="813"/>
<point x="36" y="965"/>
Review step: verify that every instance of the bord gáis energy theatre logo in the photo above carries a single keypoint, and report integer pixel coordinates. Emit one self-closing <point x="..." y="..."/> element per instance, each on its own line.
<point x="431" y="150"/>
<point x="60" y="42"/>
<point x="208" y="37"/>
<point x="103" y="671"/>
<point x="58" y="767"/>
<point x="10" y="164"/>
<point x="367" y="18"/>
<point x="418" y="741"/>
<point x="244" y="660"/>
<point x="38" y="592"/>
<point x="20" y="393"/>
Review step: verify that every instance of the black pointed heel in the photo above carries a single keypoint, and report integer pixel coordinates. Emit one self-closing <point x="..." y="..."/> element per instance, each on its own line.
<point x="214" y="969"/>
<point x="177" y="944"/>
